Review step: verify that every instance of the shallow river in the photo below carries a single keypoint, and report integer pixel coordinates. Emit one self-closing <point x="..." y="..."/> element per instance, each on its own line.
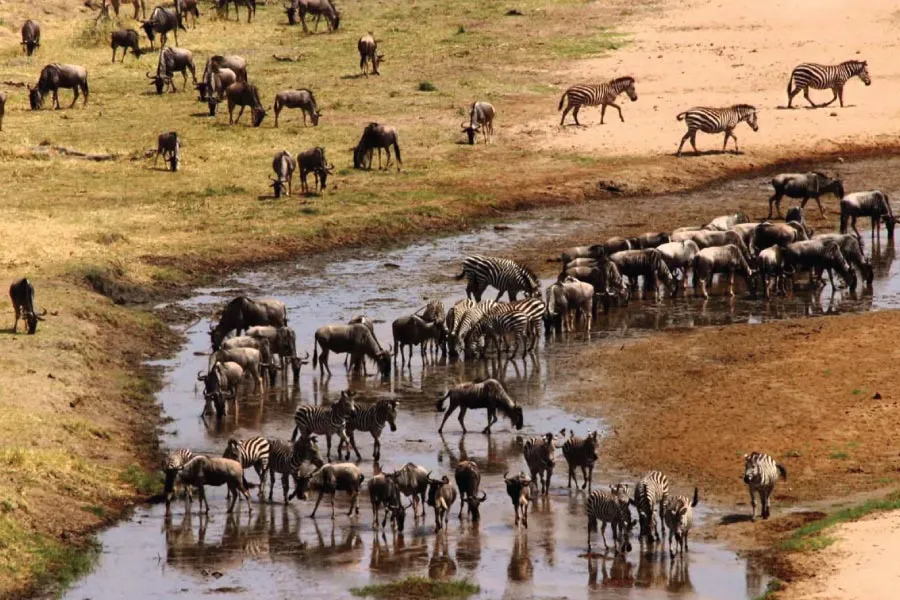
<point x="281" y="552"/>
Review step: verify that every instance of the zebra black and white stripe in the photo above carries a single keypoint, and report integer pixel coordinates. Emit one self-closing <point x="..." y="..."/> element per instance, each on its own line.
<point x="540" y="457"/>
<point x="825" y="77"/>
<point x="581" y="453"/>
<point x="468" y="318"/>
<point x="534" y="308"/>
<point x="287" y="459"/>
<point x="716" y="120"/>
<point x="650" y="494"/>
<point x="503" y="274"/>
<point x="251" y="452"/>
<point x="602" y="95"/>
<point x="176" y="459"/>
<point x="371" y="419"/>
<point x="498" y="326"/>
<point x="761" y="471"/>
<point x="679" y="516"/>
<point x="325" y="420"/>
<point x="610" y="507"/>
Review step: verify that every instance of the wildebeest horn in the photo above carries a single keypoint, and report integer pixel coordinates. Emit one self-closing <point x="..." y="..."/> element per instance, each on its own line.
<point x="483" y="496"/>
<point x="463" y="126"/>
<point x="201" y="376"/>
<point x="149" y="76"/>
<point x="305" y="359"/>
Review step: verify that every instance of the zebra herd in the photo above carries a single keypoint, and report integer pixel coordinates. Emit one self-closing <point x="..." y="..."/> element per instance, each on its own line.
<point x="718" y="120"/>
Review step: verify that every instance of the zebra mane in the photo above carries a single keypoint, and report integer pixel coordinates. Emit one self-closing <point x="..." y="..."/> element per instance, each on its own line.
<point x="744" y="107"/>
<point x="626" y="79"/>
<point x="530" y="274"/>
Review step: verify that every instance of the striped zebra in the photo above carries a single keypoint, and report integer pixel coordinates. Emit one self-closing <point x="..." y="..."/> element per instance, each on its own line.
<point x="825" y="77"/>
<point x="610" y="507"/>
<point x="534" y="308"/>
<point x="716" y="120"/>
<point x="760" y="474"/>
<point x="603" y="94"/>
<point x="251" y="452"/>
<point x="174" y="462"/>
<point x="540" y="456"/>
<point x="679" y="516"/>
<point x="497" y="327"/>
<point x="434" y="312"/>
<point x="325" y="420"/>
<point x="287" y="459"/>
<point x="650" y="494"/>
<point x="503" y="274"/>
<point x="581" y="453"/>
<point x="467" y="318"/>
<point x="372" y="419"/>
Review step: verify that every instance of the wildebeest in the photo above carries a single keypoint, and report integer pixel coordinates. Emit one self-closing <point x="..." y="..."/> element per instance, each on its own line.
<point x="817" y="256"/>
<point x="852" y="250"/>
<point x="250" y="359"/>
<point x="726" y="222"/>
<point x="776" y="234"/>
<point x="220" y="383"/>
<point x="31" y="36"/>
<point x="284" y="165"/>
<point x="873" y="204"/>
<point x="267" y="362"/>
<point x="488" y="394"/>
<point x="481" y="118"/>
<point x="570" y="299"/>
<point x="314" y="161"/>
<point x="355" y="340"/>
<point x="720" y="259"/>
<point x="374" y="137"/>
<point x="212" y="88"/>
<point x="519" y="490"/>
<point x="55" y="76"/>
<point x="606" y="279"/>
<point x="384" y="491"/>
<point x="332" y="478"/>
<point x="648" y="264"/>
<point x="188" y="7"/>
<point x="250" y="5"/>
<point x="770" y="262"/>
<point x="412" y="480"/>
<point x="171" y="61"/>
<point x="804" y="186"/>
<point x="238" y="65"/>
<point x="302" y="99"/>
<point x="140" y="7"/>
<point x="649" y="240"/>
<point x="597" y="251"/>
<point x="706" y="238"/>
<point x="283" y="342"/>
<point x="412" y="331"/>
<point x="169" y="146"/>
<point x="125" y="39"/>
<point x="468" y="481"/>
<point x="679" y="256"/>
<point x="243" y="94"/>
<point x="441" y="496"/>
<point x="242" y="313"/>
<point x="368" y="53"/>
<point x="201" y="471"/>
<point x="162" y="21"/>
<point x="319" y="8"/>
<point x="21" y="293"/>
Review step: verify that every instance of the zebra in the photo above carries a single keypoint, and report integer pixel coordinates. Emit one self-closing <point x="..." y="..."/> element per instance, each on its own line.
<point x="539" y="455"/>
<point x="498" y="326"/>
<point x="679" y="516"/>
<point x="825" y="77"/>
<point x="610" y="507"/>
<point x="466" y="319"/>
<point x="503" y="274"/>
<point x="175" y="461"/>
<point x="325" y="420"/>
<point x="372" y="419"/>
<point x="650" y="495"/>
<point x="251" y="452"/>
<point x="434" y="312"/>
<point x="716" y="120"/>
<point x="288" y="458"/>
<point x="534" y="308"/>
<point x="581" y="452"/>
<point x="604" y="94"/>
<point x="760" y="474"/>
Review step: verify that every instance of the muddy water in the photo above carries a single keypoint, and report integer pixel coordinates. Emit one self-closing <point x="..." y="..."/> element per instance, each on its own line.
<point x="281" y="551"/>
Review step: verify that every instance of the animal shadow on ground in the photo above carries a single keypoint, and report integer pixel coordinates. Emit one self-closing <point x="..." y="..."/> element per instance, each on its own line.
<point x="355" y="76"/>
<point x="735" y="518"/>
<point x="692" y="154"/>
<point x="198" y="115"/>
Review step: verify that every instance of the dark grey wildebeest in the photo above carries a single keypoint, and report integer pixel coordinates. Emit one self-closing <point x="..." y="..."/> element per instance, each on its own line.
<point x="412" y="331"/>
<point x="518" y="488"/>
<point x="317" y="8"/>
<point x="804" y="186"/>
<point x="817" y="256"/>
<point x="21" y="293"/>
<point x="355" y="340"/>
<point x="873" y="204"/>
<point x="140" y="7"/>
<point x="242" y="313"/>
<point x="374" y="137"/>
<point x="441" y="496"/>
<point x="162" y="21"/>
<point x="648" y="264"/>
<point x="169" y="146"/>
<point x="468" y="481"/>
<point x="250" y="5"/>
<point x="125" y="39"/>
<point x="284" y="166"/>
<point x="55" y="76"/>
<point x="219" y="384"/>
<point x="332" y="478"/>
<point x="244" y="94"/>
<point x="31" y="36"/>
<point x="212" y="88"/>
<point x="488" y="394"/>
<point x="481" y="118"/>
<point x="412" y="480"/>
<point x="188" y="7"/>
<point x="368" y="53"/>
<point x="171" y="61"/>
<point x="776" y="234"/>
<point x="721" y="259"/>
<point x="238" y="64"/>
<point x="313" y="161"/>
<point x="302" y="99"/>
<point x="851" y="248"/>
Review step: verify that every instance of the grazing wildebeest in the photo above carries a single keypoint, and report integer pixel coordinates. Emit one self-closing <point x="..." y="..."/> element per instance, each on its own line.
<point x="383" y="491"/>
<point x="55" y="76"/>
<point x="412" y="331"/>
<point x="2" y="108"/>
<point x="31" y="36"/>
<point x="481" y="118"/>
<point x="219" y="383"/>
<point x="412" y="480"/>
<point x="242" y="313"/>
<point x="804" y="186"/>
<point x="441" y="496"/>
<point x="648" y="264"/>
<point x="243" y="94"/>
<point x="171" y="61"/>
<point x="468" y="481"/>
<point x="188" y="7"/>
<point x="162" y="21"/>
<point x="237" y="64"/>
<point x="302" y="99"/>
<point x="249" y="4"/>
<point x="376" y="136"/>
<point x="726" y="222"/>
<point x="776" y="234"/>
<point x="368" y="52"/>
<point x="330" y="479"/>
<point x="212" y="88"/>
<point x="313" y="161"/>
<point x="125" y="39"/>
<point x="721" y="259"/>
<point x="169" y="146"/>
<point x="873" y="204"/>
<point x="817" y="256"/>
<point x="283" y="342"/>
<point x="851" y="248"/>
<point x="605" y="277"/>
<point x="267" y="362"/>
<point x="488" y="394"/>
<point x="284" y="165"/>
<point x="518" y="488"/>
<point x="355" y="340"/>
<point x="201" y="471"/>
<point x="21" y="293"/>
<point x="319" y="8"/>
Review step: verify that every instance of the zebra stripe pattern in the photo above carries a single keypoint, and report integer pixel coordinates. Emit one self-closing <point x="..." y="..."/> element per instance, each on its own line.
<point x="498" y="326"/>
<point x="324" y="420"/>
<point x="650" y="494"/>
<point x="716" y="120"/>
<point x="502" y="274"/>
<point x="602" y="95"/>
<point x="581" y="453"/>
<point x="540" y="456"/>
<point x="534" y="308"/>
<point x="679" y="516"/>
<point x="471" y="316"/>
<point x="433" y="311"/>
<point x="176" y="459"/>
<point x="825" y="77"/>
<point x="287" y="458"/>
<point x="371" y="419"/>
<point x="252" y="452"/>
<point x="612" y="508"/>
<point x="761" y="471"/>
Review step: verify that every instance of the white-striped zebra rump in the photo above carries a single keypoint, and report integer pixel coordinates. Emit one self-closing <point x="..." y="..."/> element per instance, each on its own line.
<point x="825" y="77"/>
<point x="679" y="517"/>
<point x="612" y="508"/>
<point x="287" y="459"/>
<point x="502" y="274"/>
<point x="371" y="419"/>
<point x="650" y="494"/>
<point x="252" y="452"/>
<point x="761" y="472"/>
<point x="602" y="95"/>
<point x="716" y="120"/>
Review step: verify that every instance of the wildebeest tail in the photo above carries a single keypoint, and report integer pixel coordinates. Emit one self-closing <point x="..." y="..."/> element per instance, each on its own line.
<point x="397" y="151"/>
<point x="440" y="401"/>
<point x="696" y="499"/>
<point x="844" y="219"/>
<point x="315" y="350"/>
<point x="86" y="91"/>
<point x="781" y="471"/>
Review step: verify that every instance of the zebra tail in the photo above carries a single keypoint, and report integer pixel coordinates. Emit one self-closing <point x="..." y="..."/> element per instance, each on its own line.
<point x="562" y="101"/>
<point x="790" y="84"/>
<point x="460" y="276"/>
<point x="440" y="401"/>
<point x="782" y="471"/>
<point x="681" y="116"/>
<point x="697" y="497"/>
<point x="315" y="350"/>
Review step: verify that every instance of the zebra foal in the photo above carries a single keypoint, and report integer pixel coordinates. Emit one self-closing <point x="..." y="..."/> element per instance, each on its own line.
<point x="825" y="77"/>
<point x="716" y="120"/>
<point x="603" y="95"/>
<point x="760" y="474"/>
<point x="679" y="516"/>
<point x="650" y="495"/>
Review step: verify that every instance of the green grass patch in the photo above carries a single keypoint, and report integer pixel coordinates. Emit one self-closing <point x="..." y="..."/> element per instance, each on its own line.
<point x="419" y="587"/>
<point x="147" y="483"/>
<point x="99" y="511"/>
<point x="812" y="536"/>
<point x="427" y="86"/>
<point x="839" y="455"/>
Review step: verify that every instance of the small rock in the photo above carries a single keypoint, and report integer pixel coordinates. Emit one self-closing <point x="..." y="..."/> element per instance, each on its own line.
<point x="502" y="227"/>
<point x="51" y="376"/>
<point x="876" y="396"/>
<point x="855" y="470"/>
<point x="391" y="266"/>
<point x="833" y="114"/>
<point x="515" y="12"/>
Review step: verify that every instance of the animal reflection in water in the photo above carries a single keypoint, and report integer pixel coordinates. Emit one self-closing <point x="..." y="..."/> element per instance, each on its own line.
<point x="654" y="570"/>
<point x="520" y="566"/>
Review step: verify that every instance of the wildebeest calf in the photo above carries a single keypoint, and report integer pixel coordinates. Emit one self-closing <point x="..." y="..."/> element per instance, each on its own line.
<point x="169" y="146"/>
<point x="368" y="53"/>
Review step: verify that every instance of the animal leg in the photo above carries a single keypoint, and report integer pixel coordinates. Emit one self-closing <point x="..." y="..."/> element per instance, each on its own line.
<point x="565" y="112"/>
<point x="447" y="414"/>
<point x="240" y="112"/>
<point x="316" y="507"/>
<point x="602" y="112"/>
<point x="462" y="416"/>
<point x="328" y="445"/>
<point x="575" y="114"/>
<point x="835" y="97"/>
<point x="752" y="505"/>
<point x="821" y="210"/>
<point x="285" y="484"/>
<point x="806" y="95"/>
<point x="376" y="452"/>
<point x="840" y="95"/>
<point x="684" y="138"/>
<point x="775" y="200"/>
<point x="352" y="444"/>
<point x="492" y="418"/>
<point x="791" y="96"/>
<point x="731" y="284"/>
<point x="853" y="225"/>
